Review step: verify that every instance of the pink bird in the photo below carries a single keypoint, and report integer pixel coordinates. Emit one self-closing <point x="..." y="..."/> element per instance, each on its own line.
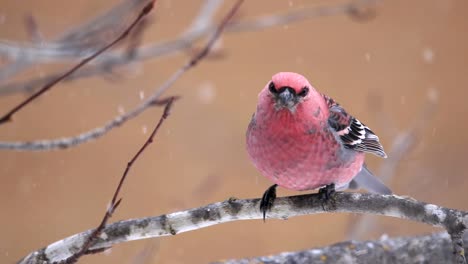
<point x="303" y="140"/>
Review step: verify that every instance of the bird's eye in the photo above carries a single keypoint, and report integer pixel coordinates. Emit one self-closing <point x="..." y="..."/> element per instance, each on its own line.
<point x="272" y="87"/>
<point x="304" y="91"/>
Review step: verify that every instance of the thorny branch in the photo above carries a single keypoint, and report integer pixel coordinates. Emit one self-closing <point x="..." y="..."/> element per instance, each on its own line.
<point x="454" y="221"/>
<point x="201" y="27"/>
<point x="43" y="145"/>
<point x="145" y="11"/>
<point x="84" y="249"/>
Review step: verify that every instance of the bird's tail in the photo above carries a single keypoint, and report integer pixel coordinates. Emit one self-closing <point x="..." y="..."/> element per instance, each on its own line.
<point x="366" y="180"/>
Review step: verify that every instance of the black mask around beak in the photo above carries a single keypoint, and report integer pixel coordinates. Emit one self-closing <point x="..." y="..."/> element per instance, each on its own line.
<point x="286" y="97"/>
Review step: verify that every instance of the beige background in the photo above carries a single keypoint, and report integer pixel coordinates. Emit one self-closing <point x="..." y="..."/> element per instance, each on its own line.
<point x="198" y="157"/>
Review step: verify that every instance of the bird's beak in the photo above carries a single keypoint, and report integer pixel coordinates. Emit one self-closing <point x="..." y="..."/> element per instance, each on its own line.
<point x="286" y="98"/>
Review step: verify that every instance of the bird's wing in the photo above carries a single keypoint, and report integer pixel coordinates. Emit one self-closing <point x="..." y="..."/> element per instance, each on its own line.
<point x="353" y="134"/>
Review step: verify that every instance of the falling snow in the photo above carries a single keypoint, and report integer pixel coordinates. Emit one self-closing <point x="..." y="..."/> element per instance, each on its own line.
<point x="206" y="92"/>
<point x="433" y="95"/>
<point x="428" y="55"/>
<point x="121" y="109"/>
<point x="299" y="60"/>
<point x="367" y="56"/>
<point x="142" y="95"/>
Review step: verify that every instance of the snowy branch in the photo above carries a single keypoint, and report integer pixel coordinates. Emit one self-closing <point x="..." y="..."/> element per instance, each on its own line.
<point x="428" y="249"/>
<point x="454" y="221"/>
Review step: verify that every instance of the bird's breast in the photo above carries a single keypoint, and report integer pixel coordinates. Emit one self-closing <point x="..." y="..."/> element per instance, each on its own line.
<point x="298" y="153"/>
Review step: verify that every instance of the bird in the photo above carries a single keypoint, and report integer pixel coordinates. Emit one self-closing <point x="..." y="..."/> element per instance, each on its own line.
<point x="301" y="140"/>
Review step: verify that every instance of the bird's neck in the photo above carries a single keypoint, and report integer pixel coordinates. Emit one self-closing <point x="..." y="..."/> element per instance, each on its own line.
<point x="286" y="121"/>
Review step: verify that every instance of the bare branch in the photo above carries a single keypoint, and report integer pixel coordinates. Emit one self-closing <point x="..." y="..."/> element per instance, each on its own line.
<point x="429" y="249"/>
<point x="145" y="11"/>
<point x="260" y="23"/>
<point x="85" y="38"/>
<point x="235" y="210"/>
<point x="81" y="41"/>
<point x="42" y="145"/>
<point x="84" y="248"/>
<point x="199" y="28"/>
<point x="33" y="29"/>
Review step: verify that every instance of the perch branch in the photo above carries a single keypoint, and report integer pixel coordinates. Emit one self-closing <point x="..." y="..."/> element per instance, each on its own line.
<point x="44" y="145"/>
<point x="454" y="221"/>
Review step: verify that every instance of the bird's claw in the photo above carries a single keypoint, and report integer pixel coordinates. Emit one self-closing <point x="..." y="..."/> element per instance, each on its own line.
<point x="268" y="199"/>
<point x="326" y="195"/>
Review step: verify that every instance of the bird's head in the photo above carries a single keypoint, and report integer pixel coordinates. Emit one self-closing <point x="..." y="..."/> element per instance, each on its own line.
<point x="289" y="89"/>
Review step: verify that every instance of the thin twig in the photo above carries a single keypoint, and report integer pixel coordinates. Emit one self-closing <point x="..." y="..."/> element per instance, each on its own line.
<point x="33" y="29"/>
<point x="42" y="145"/>
<point x="76" y="43"/>
<point x="199" y="28"/>
<point x="247" y="209"/>
<point x="145" y="11"/>
<point x="84" y="39"/>
<point x="115" y="202"/>
<point x="350" y="8"/>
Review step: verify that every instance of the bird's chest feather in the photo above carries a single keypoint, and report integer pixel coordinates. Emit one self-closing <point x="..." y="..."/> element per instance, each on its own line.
<point x="300" y="153"/>
<point x="290" y="139"/>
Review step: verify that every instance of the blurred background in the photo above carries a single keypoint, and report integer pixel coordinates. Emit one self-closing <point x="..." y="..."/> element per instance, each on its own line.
<point x="400" y="66"/>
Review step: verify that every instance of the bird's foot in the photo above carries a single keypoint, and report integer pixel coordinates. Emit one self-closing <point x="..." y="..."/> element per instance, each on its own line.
<point x="268" y="199"/>
<point x="326" y="196"/>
